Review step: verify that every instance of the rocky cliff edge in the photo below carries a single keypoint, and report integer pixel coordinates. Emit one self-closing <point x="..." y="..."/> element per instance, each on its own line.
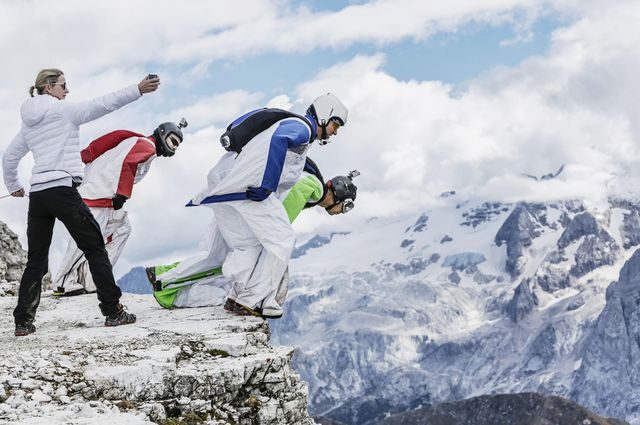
<point x="201" y="366"/>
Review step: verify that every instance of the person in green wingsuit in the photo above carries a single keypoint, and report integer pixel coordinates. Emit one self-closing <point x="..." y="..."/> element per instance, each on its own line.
<point x="198" y="281"/>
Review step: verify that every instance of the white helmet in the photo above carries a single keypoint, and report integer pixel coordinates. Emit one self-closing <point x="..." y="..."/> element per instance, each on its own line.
<point x="326" y="108"/>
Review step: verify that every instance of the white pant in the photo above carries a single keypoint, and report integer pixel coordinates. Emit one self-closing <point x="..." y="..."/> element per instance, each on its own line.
<point x="115" y="228"/>
<point x="209" y="291"/>
<point x="202" y="261"/>
<point x="212" y="291"/>
<point x="261" y="239"/>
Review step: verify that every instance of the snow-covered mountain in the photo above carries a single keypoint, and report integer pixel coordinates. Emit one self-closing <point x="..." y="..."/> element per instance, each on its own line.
<point x="469" y="299"/>
<point x="135" y="282"/>
<point x="458" y="301"/>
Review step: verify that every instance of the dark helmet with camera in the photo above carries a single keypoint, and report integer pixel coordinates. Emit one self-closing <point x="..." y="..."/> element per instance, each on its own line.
<point x="342" y="188"/>
<point x="344" y="191"/>
<point x="168" y="137"/>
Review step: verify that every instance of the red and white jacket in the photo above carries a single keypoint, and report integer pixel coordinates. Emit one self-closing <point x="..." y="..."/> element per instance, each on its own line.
<point x="115" y="162"/>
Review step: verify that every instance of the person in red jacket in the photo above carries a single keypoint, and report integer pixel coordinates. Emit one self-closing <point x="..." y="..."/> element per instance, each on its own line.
<point x="114" y="163"/>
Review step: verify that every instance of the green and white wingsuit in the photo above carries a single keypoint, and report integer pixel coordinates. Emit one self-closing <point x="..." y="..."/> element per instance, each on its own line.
<point x="266" y="152"/>
<point x="198" y="281"/>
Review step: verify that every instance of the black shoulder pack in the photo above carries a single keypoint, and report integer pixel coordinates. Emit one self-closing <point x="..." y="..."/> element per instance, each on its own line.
<point x="235" y="138"/>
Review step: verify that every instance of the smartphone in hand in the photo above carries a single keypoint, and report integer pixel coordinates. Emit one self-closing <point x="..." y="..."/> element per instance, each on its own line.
<point x="152" y="76"/>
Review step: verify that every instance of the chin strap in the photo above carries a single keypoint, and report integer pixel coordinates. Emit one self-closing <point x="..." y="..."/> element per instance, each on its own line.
<point x="160" y="149"/>
<point x="323" y="136"/>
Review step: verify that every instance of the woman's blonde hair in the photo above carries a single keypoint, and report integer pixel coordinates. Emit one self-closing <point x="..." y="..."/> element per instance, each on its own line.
<point x="46" y="76"/>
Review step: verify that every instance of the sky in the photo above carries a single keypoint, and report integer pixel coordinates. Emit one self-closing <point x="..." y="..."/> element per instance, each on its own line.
<point x="459" y="95"/>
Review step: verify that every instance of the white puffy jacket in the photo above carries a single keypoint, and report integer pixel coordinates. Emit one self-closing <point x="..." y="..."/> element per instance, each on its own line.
<point x="50" y="130"/>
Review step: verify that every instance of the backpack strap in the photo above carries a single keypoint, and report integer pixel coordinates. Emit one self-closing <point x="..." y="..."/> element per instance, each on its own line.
<point x="237" y="136"/>
<point x="312" y="168"/>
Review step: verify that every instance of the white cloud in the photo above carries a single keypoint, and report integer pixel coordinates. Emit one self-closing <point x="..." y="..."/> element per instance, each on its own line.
<point x="530" y="119"/>
<point x="85" y="38"/>
<point x="102" y="46"/>
<point x="287" y="29"/>
<point x="220" y="108"/>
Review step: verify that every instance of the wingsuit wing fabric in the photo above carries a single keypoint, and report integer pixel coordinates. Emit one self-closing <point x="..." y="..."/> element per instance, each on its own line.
<point x="258" y="234"/>
<point x="274" y="159"/>
<point x="115" y="162"/>
<point x="197" y="281"/>
<point x="74" y="269"/>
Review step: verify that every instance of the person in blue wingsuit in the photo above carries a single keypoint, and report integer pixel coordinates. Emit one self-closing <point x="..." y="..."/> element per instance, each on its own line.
<point x="198" y="281"/>
<point x="266" y="154"/>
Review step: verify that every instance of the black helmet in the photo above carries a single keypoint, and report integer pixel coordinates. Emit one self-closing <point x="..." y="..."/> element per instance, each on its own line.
<point x="160" y="134"/>
<point x="343" y="188"/>
<point x="344" y="191"/>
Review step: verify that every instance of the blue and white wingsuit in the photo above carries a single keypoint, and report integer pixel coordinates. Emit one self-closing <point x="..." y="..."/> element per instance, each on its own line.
<point x="258" y="234"/>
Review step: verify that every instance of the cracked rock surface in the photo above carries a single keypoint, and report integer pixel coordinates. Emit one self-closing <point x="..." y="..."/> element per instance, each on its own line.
<point x="201" y="366"/>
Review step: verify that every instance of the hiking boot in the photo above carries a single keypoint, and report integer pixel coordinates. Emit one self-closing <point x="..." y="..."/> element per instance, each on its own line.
<point x="121" y="317"/>
<point x="239" y="309"/>
<point x="271" y="312"/>
<point x="151" y="275"/>
<point x="24" y="330"/>
<point x="228" y="304"/>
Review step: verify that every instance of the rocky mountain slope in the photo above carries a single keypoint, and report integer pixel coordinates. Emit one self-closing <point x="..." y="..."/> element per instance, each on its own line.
<point x="135" y="282"/>
<point x="462" y="300"/>
<point x="503" y="409"/>
<point x="469" y="299"/>
<point x="195" y="366"/>
<point x="189" y="366"/>
<point x="12" y="260"/>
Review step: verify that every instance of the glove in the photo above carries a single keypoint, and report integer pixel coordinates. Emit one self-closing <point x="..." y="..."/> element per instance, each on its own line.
<point x="258" y="193"/>
<point x="118" y="201"/>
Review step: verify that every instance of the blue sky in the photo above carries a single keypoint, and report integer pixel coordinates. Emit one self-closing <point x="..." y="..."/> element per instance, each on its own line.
<point x="452" y="58"/>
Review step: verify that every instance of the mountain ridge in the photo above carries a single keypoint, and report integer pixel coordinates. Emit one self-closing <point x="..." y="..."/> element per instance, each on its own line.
<point x="504" y="303"/>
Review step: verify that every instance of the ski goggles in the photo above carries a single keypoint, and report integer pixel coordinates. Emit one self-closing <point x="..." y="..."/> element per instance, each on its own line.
<point x="347" y="205"/>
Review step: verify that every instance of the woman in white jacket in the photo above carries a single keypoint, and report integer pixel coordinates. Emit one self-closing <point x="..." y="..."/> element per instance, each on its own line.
<point x="50" y="127"/>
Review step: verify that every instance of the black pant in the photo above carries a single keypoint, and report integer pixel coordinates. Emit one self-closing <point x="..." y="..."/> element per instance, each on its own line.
<point x="65" y="204"/>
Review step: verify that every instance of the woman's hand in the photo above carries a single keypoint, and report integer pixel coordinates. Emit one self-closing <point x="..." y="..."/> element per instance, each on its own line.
<point x="148" y="85"/>
<point x="18" y="193"/>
